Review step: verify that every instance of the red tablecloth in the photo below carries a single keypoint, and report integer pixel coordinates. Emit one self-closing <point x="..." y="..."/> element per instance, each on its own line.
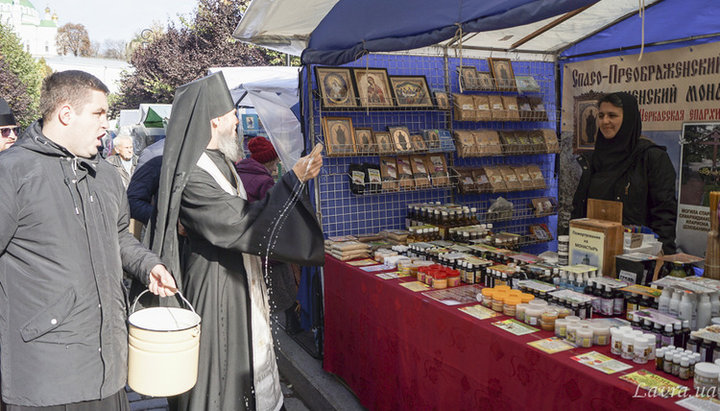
<point x="397" y="349"/>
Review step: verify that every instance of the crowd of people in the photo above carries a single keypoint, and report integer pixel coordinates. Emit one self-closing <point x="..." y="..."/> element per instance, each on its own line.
<point x="66" y="244"/>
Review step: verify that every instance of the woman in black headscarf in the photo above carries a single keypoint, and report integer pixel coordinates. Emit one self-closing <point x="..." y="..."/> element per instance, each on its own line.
<point x="629" y="168"/>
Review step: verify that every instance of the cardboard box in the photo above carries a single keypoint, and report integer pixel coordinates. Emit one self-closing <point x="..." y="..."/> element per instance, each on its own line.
<point x="636" y="268"/>
<point x="594" y="241"/>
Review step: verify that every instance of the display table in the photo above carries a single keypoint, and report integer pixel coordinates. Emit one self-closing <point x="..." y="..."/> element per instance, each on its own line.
<point x="397" y="349"/>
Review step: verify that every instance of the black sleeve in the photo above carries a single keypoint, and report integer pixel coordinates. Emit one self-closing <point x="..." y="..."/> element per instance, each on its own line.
<point x="230" y="222"/>
<point x="142" y="188"/>
<point x="662" y="202"/>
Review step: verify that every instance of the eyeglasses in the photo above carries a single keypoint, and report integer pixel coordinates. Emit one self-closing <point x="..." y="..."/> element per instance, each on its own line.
<point x="6" y="131"/>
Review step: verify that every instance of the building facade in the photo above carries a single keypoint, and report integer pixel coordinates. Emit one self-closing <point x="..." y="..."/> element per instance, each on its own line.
<point x="37" y="32"/>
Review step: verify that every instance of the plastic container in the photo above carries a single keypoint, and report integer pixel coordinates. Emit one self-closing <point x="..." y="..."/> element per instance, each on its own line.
<point x="510" y="306"/>
<point x="616" y="336"/>
<point x="572" y="329"/>
<point x="503" y="287"/>
<point x="706" y="378"/>
<point x="526" y="298"/>
<point x="498" y="301"/>
<point x="584" y="337"/>
<point x="561" y="327"/>
<point x="453" y="279"/>
<point x="487" y="296"/>
<point x="563" y="312"/>
<point x="536" y="303"/>
<point x="601" y="333"/>
<point x="547" y="320"/>
<point x="532" y="315"/>
<point x="520" y="311"/>
<point x="639" y="353"/>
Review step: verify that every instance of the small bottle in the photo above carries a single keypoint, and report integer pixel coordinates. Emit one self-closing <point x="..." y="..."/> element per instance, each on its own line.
<point x="667" y="363"/>
<point x="693" y="344"/>
<point x="659" y="358"/>
<point x="705" y="350"/>
<point x="635" y="321"/>
<point x="674" y="306"/>
<point x="619" y="302"/>
<point x="664" y="304"/>
<point x="646" y="325"/>
<point x="667" y="337"/>
<point x="631" y="306"/>
<point x="677" y="333"/>
<point x="686" y="331"/>
<point x="607" y="301"/>
<point x="639" y="353"/>
<point x="676" y="363"/>
<point x="684" y="373"/>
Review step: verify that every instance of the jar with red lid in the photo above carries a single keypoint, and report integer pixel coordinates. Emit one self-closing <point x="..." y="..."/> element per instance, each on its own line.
<point x="439" y="280"/>
<point x="453" y="279"/>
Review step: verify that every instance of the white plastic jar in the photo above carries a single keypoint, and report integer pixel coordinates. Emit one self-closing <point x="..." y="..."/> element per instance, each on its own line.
<point x="706" y="378"/>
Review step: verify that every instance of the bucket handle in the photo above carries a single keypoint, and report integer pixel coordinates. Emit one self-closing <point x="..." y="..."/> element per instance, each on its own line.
<point x="132" y="309"/>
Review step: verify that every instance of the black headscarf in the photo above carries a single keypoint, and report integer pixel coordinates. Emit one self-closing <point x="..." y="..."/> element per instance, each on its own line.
<point x="613" y="157"/>
<point x="6" y="115"/>
<point x="188" y="134"/>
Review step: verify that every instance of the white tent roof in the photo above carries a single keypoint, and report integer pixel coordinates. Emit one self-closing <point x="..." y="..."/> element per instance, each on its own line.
<point x="286" y="26"/>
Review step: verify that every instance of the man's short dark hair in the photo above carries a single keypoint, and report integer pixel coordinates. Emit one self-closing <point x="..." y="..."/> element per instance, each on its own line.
<point x="71" y="86"/>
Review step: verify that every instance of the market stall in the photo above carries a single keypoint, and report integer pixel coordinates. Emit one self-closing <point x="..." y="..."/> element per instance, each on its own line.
<point x="445" y="115"/>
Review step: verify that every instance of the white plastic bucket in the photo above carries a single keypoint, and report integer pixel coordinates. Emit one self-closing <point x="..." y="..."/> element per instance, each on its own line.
<point x="163" y="349"/>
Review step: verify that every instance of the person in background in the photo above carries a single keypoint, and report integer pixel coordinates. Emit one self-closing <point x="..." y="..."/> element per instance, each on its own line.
<point x="9" y="130"/>
<point x="256" y="173"/>
<point x="220" y="269"/>
<point x="124" y="158"/>
<point x="629" y="168"/>
<point x="143" y="186"/>
<point x="64" y="244"/>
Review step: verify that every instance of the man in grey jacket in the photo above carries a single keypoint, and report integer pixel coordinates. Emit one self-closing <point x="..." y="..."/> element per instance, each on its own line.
<point x="64" y="245"/>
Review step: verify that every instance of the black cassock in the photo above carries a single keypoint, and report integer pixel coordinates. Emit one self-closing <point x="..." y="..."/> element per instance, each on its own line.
<point x="220" y="227"/>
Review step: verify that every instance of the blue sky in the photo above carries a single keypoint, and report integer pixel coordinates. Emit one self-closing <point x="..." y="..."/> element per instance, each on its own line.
<point x="116" y="20"/>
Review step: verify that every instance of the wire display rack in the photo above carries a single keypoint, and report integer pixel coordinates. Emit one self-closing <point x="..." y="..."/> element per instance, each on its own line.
<point x="346" y="213"/>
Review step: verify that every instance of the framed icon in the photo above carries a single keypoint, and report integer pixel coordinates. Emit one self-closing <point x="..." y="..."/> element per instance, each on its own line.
<point x="339" y="136"/>
<point x="485" y="81"/>
<point x="442" y="100"/>
<point x="373" y="87"/>
<point x="401" y="139"/>
<point x="364" y="141"/>
<point x="468" y="77"/>
<point x="411" y="91"/>
<point x="418" y="143"/>
<point x="384" y="142"/>
<point x="336" y="87"/>
<point x="503" y="74"/>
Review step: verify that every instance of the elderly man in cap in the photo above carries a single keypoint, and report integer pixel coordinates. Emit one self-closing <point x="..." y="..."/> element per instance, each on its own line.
<point x="221" y="271"/>
<point x="9" y="130"/>
<point x="124" y="158"/>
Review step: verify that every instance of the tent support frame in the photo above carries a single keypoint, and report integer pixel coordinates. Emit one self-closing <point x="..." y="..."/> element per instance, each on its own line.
<point x="637" y="46"/>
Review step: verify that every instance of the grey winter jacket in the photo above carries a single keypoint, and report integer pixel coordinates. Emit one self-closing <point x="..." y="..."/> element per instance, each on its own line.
<point x="64" y="245"/>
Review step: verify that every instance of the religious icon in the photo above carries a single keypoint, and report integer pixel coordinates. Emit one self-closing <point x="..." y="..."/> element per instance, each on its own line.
<point x="503" y="74"/>
<point x="384" y="142"/>
<point x="365" y="141"/>
<point x="401" y="138"/>
<point x="418" y="143"/>
<point x="411" y="91"/>
<point x="442" y="100"/>
<point x="336" y="87"/>
<point x="485" y="81"/>
<point x="339" y="136"/>
<point x="468" y="77"/>
<point x="373" y="87"/>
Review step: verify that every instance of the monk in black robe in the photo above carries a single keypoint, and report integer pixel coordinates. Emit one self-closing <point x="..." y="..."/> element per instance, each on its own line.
<point x="226" y="237"/>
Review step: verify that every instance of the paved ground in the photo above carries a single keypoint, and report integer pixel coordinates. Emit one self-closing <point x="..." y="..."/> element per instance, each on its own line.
<point x="304" y="383"/>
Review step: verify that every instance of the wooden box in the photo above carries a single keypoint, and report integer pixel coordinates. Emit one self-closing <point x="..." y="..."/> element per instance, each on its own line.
<point x="595" y="241"/>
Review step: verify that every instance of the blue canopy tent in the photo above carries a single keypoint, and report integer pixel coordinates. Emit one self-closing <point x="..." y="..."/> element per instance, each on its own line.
<point x="335" y="32"/>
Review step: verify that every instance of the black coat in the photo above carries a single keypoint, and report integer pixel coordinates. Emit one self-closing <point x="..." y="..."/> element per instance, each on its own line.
<point x="646" y="189"/>
<point x="64" y="244"/>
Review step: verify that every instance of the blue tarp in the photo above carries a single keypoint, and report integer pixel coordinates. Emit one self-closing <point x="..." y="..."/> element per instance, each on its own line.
<point x="664" y="21"/>
<point x="352" y="28"/>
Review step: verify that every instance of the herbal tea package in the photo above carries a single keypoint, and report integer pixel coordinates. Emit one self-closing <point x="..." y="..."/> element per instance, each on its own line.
<point x="509" y="142"/>
<point x="464" y="107"/>
<point x="373" y="179"/>
<point x="495" y="147"/>
<point x="537" y="176"/>
<point x="389" y="173"/>
<point x="437" y="166"/>
<point x="495" y="177"/>
<point x="466" y="183"/>
<point x="482" y="183"/>
<point x="419" y="171"/>
<point x="483" y="111"/>
<point x="524" y="108"/>
<point x="538" y="107"/>
<point x="405" y="174"/>
<point x="356" y="173"/>
<point x="511" y="180"/>
<point x="497" y="107"/>
<point x="524" y="178"/>
<point x="537" y="141"/>
<point x="511" y="105"/>
<point x="481" y="144"/>
<point x="465" y="143"/>
<point x="523" y="141"/>
<point x="551" y="141"/>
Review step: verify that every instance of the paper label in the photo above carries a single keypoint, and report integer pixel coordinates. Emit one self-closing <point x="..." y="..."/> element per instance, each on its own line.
<point x="479" y="312"/>
<point x="552" y="345"/>
<point x="627" y="276"/>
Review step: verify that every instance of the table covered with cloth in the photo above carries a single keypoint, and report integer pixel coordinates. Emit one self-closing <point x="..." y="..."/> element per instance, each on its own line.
<point x="400" y="350"/>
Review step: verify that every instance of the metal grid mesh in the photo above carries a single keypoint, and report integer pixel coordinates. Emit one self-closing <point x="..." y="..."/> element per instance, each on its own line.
<point x="346" y="213"/>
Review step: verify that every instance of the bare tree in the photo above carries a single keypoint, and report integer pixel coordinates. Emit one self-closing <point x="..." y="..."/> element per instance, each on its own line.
<point x="114" y="49"/>
<point x="74" y="38"/>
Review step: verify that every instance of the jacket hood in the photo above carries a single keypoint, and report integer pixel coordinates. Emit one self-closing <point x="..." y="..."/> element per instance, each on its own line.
<point x="251" y="166"/>
<point x="34" y="140"/>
